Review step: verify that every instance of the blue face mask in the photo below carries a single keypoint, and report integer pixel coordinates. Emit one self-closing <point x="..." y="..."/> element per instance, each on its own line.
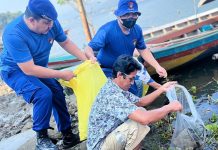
<point x="129" y="23"/>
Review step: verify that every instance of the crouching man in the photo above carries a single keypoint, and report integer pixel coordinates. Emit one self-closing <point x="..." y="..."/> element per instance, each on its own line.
<point x="117" y="119"/>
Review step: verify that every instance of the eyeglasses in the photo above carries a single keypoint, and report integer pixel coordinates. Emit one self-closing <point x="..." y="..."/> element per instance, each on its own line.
<point x="131" y="79"/>
<point x="129" y="15"/>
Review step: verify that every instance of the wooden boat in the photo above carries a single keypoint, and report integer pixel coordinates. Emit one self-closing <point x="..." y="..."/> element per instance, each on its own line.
<point x="185" y="40"/>
<point x="63" y="62"/>
<point x="181" y="28"/>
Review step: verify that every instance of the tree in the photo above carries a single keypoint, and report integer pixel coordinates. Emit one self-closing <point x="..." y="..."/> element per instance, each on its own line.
<point x="80" y="7"/>
<point x="65" y="1"/>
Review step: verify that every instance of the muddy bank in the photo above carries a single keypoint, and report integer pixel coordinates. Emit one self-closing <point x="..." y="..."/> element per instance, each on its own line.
<point x="16" y="114"/>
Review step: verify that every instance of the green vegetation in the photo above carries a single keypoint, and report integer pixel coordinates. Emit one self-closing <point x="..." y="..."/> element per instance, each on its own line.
<point x="214" y="129"/>
<point x="64" y="1"/>
<point x="194" y="89"/>
<point x="214" y="118"/>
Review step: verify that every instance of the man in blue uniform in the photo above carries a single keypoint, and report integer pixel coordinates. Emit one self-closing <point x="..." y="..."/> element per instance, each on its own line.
<point x="27" y="43"/>
<point x="119" y="37"/>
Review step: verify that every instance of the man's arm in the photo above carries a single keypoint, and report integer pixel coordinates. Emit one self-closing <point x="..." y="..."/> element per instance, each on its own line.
<point x="149" y="58"/>
<point x="146" y="117"/>
<point x="29" y="68"/>
<point x="89" y="53"/>
<point x="71" y="48"/>
<point x="154" y="84"/>
<point x="148" y="99"/>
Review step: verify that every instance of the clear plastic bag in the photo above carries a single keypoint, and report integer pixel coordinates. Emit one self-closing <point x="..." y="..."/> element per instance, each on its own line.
<point x="189" y="130"/>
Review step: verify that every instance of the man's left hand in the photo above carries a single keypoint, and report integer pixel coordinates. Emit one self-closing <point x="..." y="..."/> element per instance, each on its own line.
<point x="161" y="71"/>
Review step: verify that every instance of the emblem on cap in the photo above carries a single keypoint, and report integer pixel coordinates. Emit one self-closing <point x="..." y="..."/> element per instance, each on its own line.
<point x="46" y="17"/>
<point x="130" y="5"/>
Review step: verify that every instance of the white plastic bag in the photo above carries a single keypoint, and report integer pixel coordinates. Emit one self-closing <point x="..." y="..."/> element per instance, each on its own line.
<point x="189" y="130"/>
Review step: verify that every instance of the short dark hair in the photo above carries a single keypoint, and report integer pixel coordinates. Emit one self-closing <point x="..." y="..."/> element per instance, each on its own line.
<point x="140" y="59"/>
<point x="29" y="14"/>
<point x="125" y="64"/>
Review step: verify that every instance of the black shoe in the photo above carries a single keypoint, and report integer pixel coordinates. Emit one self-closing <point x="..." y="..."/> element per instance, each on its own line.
<point x="44" y="142"/>
<point x="70" y="139"/>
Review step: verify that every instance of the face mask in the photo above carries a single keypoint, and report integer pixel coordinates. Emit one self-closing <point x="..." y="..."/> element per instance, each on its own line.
<point x="129" y="23"/>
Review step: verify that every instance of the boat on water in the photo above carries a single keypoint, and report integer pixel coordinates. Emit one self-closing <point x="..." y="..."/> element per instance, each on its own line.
<point x="60" y="62"/>
<point x="184" y="41"/>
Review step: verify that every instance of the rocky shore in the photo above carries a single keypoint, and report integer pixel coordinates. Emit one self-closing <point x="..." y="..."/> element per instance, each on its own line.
<point x="16" y="114"/>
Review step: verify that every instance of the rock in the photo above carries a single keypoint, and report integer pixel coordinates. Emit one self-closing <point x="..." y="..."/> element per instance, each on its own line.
<point x="27" y="126"/>
<point x="16" y="114"/>
<point x="22" y="104"/>
<point x="54" y="134"/>
<point x="184" y="140"/>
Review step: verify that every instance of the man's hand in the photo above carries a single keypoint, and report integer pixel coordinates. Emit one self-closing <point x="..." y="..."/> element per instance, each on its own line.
<point x="175" y="106"/>
<point x="93" y="59"/>
<point x="90" y="54"/>
<point x="167" y="86"/>
<point x="161" y="71"/>
<point x="67" y="75"/>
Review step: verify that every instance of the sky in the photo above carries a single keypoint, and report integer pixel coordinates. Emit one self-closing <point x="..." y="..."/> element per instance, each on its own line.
<point x="10" y="5"/>
<point x="20" y="5"/>
<point x="15" y="5"/>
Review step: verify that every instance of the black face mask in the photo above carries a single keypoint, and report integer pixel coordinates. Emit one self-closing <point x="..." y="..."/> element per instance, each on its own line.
<point x="129" y="23"/>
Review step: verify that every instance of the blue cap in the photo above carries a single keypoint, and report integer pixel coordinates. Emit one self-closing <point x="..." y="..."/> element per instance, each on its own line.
<point x="43" y="8"/>
<point x="127" y="6"/>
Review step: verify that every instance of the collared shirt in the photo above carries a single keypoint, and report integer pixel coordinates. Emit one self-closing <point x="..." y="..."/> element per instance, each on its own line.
<point x="110" y="109"/>
<point x="21" y="44"/>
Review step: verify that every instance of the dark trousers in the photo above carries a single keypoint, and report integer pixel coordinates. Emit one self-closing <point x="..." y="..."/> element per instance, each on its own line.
<point x="45" y="94"/>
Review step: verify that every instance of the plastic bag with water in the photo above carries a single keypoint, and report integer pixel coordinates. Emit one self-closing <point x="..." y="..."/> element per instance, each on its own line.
<point x="189" y="130"/>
